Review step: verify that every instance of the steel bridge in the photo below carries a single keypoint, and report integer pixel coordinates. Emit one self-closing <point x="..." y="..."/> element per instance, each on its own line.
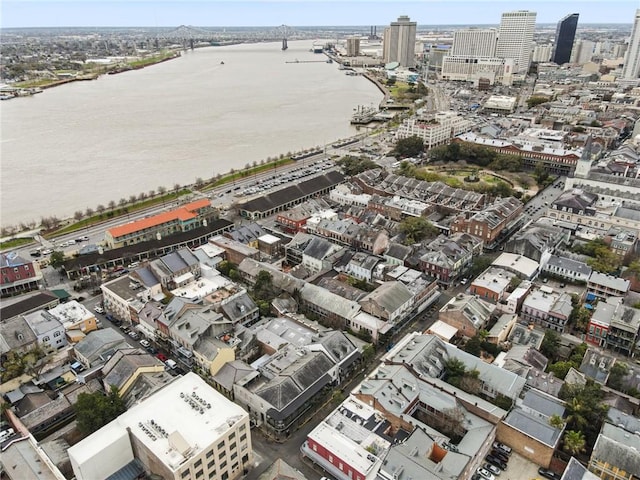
<point x="191" y="36"/>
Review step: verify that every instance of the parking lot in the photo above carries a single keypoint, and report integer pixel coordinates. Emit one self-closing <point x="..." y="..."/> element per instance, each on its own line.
<point x="519" y="468"/>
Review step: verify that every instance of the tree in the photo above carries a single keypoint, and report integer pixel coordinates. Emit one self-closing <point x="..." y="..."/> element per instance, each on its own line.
<point x="162" y="190"/>
<point x="556" y="421"/>
<point x="132" y="199"/>
<point x="574" y="442"/>
<point x="479" y="265"/>
<point x="57" y="259"/>
<point x="94" y="410"/>
<point x="409" y="147"/>
<point x="550" y="344"/>
<point x="416" y="229"/>
<point x="533" y="101"/>
<point x="618" y="371"/>
<point x="354" y="165"/>
<point x="89" y="212"/>
<point x="77" y="216"/>
<point x="122" y="202"/>
<point x="112" y="204"/>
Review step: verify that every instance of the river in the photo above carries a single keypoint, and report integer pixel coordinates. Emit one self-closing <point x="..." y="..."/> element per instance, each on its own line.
<point x="87" y="143"/>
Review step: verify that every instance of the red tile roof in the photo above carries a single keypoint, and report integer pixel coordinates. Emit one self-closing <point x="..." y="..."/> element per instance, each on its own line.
<point x="184" y="213"/>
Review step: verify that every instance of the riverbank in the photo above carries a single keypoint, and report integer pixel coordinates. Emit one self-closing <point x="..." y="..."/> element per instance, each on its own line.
<point x="20" y="89"/>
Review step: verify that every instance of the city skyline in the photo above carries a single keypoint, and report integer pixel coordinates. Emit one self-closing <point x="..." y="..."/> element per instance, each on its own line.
<point x="167" y="13"/>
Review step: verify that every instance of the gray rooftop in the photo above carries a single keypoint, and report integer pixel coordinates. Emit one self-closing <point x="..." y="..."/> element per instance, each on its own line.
<point x="569" y="264"/>
<point x="609" y="281"/>
<point x="533" y="426"/>
<point x="543" y="403"/>
<point x="100" y="342"/>
<point x="618" y="448"/>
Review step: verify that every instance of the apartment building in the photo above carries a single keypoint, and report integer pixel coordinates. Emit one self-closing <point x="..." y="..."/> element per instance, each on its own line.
<point x="185" y="431"/>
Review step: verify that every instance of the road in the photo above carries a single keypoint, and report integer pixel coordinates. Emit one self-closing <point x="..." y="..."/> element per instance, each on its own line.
<point x="537" y="206"/>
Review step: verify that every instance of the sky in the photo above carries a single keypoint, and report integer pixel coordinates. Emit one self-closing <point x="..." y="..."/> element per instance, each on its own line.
<point x="212" y="13"/>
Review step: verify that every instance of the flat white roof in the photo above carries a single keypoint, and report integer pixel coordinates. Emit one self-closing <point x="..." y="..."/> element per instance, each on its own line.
<point x="268" y="238"/>
<point x="443" y="330"/>
<point x="518" y="263"/>
<point x="349" y="451"/>
<point x="198" y="422"/>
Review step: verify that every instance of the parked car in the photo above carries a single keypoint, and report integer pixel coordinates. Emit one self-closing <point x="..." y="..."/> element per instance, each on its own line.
<point x="492" y="468"/>
<point x="162" y="357"/>
<point x="99" y="309"/>
<point x="133" y="335"/>
<point x="502" y="447"/>
<point x="145" y="343"/>
<point x="486" y="474"/>
<point x="496" y="461"/>
<point x="500" y="455"/>
<point x="546" y="473"/>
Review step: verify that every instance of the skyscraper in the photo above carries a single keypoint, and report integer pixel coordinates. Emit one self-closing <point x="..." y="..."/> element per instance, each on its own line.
<point x="515" y="38"/>
<point x="565" y="35"/>
<point x="475" y="42"/>
<point x="631" y="69"/>
<point x="400" y="42"/>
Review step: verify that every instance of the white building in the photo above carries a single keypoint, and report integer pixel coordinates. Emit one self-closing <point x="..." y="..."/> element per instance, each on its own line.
<point x="542" y="53"/>
<point x="475" y="42"/>
<point x="631" y="69"/>
<point x="582" y="52"/>
<point x="185" y="431"/>
<point x="437" y="130"/>
<point x="48" y="329"/>
<point x="400" y="42"/>
<point x="515" y="38"/>
<point x="470" y="69"/>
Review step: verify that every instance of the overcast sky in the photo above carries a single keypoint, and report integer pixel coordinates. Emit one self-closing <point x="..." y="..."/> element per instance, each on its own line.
<point x="210" y="13"/>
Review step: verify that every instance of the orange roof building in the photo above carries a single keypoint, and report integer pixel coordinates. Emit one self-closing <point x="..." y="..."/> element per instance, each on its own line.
<point x="186" y="217"/>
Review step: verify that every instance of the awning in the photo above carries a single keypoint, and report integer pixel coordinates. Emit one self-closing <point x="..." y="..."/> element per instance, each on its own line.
<point x="183" y="278"/>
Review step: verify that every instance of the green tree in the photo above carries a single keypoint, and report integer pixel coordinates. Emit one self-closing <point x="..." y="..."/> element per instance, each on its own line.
<point x="264" y="290"/>
<point x="550" y="343"/>
<point x="479" y="265"/>
<point x="533" y="101"/>
<point x="409" y="147"/>
<point x="416" y="229"/>
<point x="560" y="369"/>
<point x="94" y="410"/>
<point x="574" y="442"/>
<point x="57" y="259"/>
<point x="617" y="373"/>
<point x="556" y="421"/>
<point x="355" y="165"/>
<point x="454" y="371"/>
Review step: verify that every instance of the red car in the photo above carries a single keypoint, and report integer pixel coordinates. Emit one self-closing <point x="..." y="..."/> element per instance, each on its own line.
<point x="161" y="357"/>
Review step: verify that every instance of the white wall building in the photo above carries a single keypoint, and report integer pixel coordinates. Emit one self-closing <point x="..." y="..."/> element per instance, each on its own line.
<point x="185" y="431"/>
<point x="542" y="53"/>
<point x="471" y="69"/>
<point x="475" y="42"/>
<point x="515" y="38"/>
<point x="436" y="131"/>
<point x="631" y="69"/>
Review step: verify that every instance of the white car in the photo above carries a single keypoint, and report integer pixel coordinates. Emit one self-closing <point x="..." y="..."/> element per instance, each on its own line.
<point x="492" y="468"/>
<point x="486" y="474"/>
<point x="98" y="309"/>
<point x="145" y="343"/>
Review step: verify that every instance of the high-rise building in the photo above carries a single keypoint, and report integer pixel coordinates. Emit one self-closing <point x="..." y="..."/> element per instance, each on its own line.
<point x="515" y="38"/>
<point x="631" y="69"/>
<point x="565" y="35"/>
<point x="353" y="46"/>
<point x="582" y="52"/>
<point x="542" y="53"/>
<point x="400" y="42"/>
<point x="475" y="42"/>
<point x="185" y="430"/>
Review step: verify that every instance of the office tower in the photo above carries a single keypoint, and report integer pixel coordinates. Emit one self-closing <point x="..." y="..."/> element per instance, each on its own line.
<point x="631" y="69"/>
<point x="353" y="46"/>
<point x="565" y="35"/>
<point x="475" y="43"/>
<point x="400" y="42"/>
<point x="542" y="53"/>
<point x="515" y="38"/>
<point x="582" y="52"/>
